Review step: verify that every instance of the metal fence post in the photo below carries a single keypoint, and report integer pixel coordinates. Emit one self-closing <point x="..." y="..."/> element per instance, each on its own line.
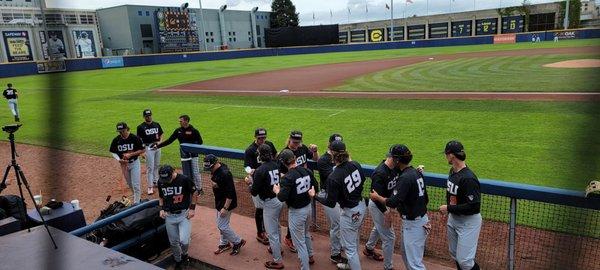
<point x="511" y="233"/>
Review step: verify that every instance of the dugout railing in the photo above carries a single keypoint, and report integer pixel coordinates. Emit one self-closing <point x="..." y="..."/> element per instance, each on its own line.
<point x="525" y="226"/>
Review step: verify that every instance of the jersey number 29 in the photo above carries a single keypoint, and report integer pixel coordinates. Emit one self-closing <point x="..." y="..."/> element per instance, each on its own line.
<point x="352" y="181"/>
<point x="302" y="184"/>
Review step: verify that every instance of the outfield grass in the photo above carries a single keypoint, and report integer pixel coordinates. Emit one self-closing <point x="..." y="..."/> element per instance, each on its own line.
<point x="508" y="73"/>
<point x="543" y="143"/>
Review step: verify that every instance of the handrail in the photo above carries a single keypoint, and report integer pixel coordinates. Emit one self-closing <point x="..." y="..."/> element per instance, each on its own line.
<point x="488" y="186"/>
<point x="125" y="213"/>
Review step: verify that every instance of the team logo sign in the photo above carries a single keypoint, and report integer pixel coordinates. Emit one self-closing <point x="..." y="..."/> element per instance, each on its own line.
<point x="376" y="35"/>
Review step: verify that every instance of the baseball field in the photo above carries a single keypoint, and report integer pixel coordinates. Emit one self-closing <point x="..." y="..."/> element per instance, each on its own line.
<point x="541" y="140"/>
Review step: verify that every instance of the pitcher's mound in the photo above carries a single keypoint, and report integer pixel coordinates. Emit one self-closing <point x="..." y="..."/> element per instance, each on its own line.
<point x="579" y="63"/>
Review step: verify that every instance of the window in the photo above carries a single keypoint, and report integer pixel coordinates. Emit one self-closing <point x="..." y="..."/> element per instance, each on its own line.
<point x="53" y="19"/>
<point x="207" y="40"/>
<point x="139" y="13"/>
<point x="258" y="30"/>
<point x="234" y="39"/>
<point x="212" y="40"/>
<point x="146" y="30"/>
<point x="234" y="33"/>
<point x="147" y="13"/>
<point x="257" y="17"/>
<point x="86" y="19"/>
<point x="212" y="34"/>
<point x="70" y="18"/>
<point x="206" y="33"/>
<point x="249" y="33"/>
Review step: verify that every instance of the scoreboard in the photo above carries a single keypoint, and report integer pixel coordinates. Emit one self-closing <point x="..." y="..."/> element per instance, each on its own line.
<point x="486" y="27"/>
<point x="416" y="31"/>
<point x="461" y="29"/>
<point x="513" y="24"/>
<point x="438" y="30"/>
<point x="177" y="30"/>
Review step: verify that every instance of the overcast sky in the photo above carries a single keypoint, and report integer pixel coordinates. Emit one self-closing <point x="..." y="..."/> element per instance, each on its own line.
<point x="325" y="11"/>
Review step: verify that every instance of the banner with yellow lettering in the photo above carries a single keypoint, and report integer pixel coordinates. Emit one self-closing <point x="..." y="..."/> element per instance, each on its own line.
<point x="18" y="46"/>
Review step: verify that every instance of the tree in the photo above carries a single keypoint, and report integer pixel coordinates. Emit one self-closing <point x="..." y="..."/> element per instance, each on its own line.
<point x="574" y="13"/>
<point x="283" y="14"/>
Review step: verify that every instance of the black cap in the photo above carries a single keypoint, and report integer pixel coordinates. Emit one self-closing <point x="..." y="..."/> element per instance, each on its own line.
<point x="286" y="155"/>
<point x="165" y="173"/>
<point x="454" y="147"/>
<point x="209" y="161"/>
<point x="147" y="112"/>
<point x="296" y="135"/>
<point x="335" y="137"/>
<point x="338" y="146"/>
<point x="398" y="151"/>
<point x="121" y="126"/>
<point x="260" y="132"/>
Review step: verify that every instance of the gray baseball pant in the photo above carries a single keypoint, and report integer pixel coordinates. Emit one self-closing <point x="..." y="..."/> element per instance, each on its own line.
<point x="381" y="230"/>
<point x="196" y="173"/>
<point x="14" y="108"/>
<point x="333" y="218"/>
<point x="152" y="165"/>
<point x="350" y="221"/>
<point x="271" y="214"/>
<point x="132" y="176"/>
<point x="299" y="228"/>
<point x="463" y="234"/>
<point x="227" y="234"/>
<point x="414" y="236"/>
<point x="178" y="230"/>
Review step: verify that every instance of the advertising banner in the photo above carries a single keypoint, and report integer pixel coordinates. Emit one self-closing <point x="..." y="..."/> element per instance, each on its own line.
<point x="84" y="43"/>
<point x="17" y="45"/>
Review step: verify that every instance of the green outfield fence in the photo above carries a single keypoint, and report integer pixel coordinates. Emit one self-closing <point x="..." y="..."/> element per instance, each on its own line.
<point x="525" y="226"/>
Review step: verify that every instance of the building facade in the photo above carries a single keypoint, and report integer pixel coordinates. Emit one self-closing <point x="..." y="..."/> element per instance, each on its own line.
<point x="69" y="33"/>
<point x="542" y="17"/>
<point x="148" y="29"/>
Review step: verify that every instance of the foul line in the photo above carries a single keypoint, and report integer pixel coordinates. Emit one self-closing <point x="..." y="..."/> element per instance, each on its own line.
<point x="334" y="114"/>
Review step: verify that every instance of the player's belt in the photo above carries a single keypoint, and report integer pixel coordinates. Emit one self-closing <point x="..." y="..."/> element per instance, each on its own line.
<point x="186" y="159"/>
<point x="411" y="218"/>
<point x="175" y="212"/>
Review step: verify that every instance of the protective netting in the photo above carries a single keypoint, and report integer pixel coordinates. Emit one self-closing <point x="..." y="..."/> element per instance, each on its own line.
<point x="548" y="236"/>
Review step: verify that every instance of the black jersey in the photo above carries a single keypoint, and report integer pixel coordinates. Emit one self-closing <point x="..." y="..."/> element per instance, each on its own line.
<point x="325" y="166"/>
<point x="184" y="135"/>
<point x="410" y="195"/>
<point x="121" y="146"/>
<point x="225" y="189"/>
<point x="383" y="181"/>
<point x="176" y="195"/>
<point x="251" y="154"/>
<point x="345" y="185"/>
<point x="149" y="133"/>
<point x="295" y="185"/>
<point x="10" y="93"/>
<point x="463" y="195"/>
<point x="265" y="176"/>
<point x="302" y="155"/>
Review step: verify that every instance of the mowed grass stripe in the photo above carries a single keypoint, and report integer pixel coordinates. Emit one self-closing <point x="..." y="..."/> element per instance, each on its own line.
<point x="506" y="73"/>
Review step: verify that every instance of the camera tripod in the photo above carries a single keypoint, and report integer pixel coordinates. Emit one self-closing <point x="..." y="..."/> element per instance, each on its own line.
<point x="21" y="180"/>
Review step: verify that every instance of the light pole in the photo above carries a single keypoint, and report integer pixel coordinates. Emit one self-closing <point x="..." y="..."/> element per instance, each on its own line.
<point x="202" y="29"/>
<point x="45" y="26"/>
<point x="222" y="25"/>
<point x="566" y="22"/>
<point x="253" y="26"/>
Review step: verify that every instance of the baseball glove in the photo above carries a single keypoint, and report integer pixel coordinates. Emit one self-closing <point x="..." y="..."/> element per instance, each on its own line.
<point x="593" y="189"/>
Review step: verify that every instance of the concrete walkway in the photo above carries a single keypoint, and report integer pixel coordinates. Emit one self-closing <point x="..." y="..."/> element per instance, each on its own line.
<point x="205" y="237"/>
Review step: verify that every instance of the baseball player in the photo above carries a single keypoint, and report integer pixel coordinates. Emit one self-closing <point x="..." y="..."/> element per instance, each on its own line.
<point x="463" y="202"/>
<point x="344" y="186"/>
<point x="409" y="197"/>
<point x="177" y="200"/>
<point x="302" y="154"/>
<point x="126" y="148"/>
<point x="325" y="166"/>
<point x="383" y="182"/>
<point x="264" y="178"/>
<point x="11" y="95"/>
<point x="186" y="133"/>
<point x="251" y="162"/>
<point x="297" y="189"/>
<point x="150" y="132"/>
<point x="225" y="202"/>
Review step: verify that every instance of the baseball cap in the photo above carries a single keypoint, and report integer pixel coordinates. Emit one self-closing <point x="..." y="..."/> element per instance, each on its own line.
<point x="209" y="161"/>
<point x="399" y="150"/>
<point x="335" y="137"/>
<point x="296" y="135"/>
<point x="454" y="147"/>
<point x="147" y="112"/>
<point x="260" y="132"/>
<point x="121" y="126"/>
<point x="338" y="146"/>
<point x="286" y="155"/>
<point x="165" y="172"/>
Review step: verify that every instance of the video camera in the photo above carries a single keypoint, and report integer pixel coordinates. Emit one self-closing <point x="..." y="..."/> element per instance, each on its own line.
<point x="11" y="128"/>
